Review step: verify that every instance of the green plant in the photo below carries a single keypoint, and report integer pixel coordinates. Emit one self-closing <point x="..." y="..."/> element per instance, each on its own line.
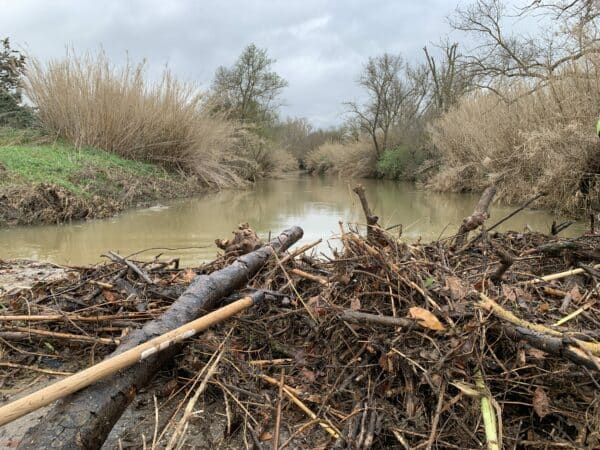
<point x="400" y="162"/>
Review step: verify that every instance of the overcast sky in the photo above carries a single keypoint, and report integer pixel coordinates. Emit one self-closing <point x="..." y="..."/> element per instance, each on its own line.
<point x="319" y="45"/>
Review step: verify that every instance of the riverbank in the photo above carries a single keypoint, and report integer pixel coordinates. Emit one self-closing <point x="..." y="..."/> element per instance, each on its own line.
<point x="45" y="181"/>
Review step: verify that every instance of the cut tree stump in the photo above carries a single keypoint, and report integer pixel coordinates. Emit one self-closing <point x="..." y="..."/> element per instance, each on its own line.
<point x="83" y="420"/>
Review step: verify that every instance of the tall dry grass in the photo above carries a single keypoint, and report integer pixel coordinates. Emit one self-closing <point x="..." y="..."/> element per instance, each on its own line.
<point x="352" y="158"/>
<point x="88" y="101"/>
<point x="545" y="141"/>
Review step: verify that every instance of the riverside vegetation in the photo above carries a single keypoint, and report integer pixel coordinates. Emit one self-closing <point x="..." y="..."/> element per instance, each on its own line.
<point x="518" y="111"/>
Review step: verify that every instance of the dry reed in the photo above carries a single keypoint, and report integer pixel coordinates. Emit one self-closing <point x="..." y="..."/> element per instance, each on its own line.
<point x="88" y="101"/>
<point x="544" y="141"/>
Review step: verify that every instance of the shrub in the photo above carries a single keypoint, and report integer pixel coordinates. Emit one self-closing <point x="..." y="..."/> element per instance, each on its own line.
<point x="90" y="102"/>
<point x="400" y="163"/>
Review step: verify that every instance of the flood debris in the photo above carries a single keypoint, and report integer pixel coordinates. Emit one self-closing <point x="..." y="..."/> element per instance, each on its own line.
<point x="490" y="343"/>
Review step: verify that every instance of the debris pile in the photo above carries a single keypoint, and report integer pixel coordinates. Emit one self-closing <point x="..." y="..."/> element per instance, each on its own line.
<point x="488" y="342"/>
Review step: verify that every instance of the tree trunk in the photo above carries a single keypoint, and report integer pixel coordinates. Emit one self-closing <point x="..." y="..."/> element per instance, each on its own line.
<point x="83" y="420"/>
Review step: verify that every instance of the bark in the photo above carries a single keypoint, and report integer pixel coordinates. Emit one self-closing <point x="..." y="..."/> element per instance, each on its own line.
<point x="83" y="420"/>
<point x="374" y="231"/>
<point x="479" y="216"/>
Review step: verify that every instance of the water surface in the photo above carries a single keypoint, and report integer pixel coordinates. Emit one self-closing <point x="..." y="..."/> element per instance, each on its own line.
<point x="316" y="204"/>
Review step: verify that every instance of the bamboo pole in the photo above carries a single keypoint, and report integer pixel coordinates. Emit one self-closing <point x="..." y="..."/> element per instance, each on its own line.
<point x="71" y="384"/>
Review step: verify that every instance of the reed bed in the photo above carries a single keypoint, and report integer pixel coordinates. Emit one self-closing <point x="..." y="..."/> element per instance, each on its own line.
<point x="543" y="141"/>
<point x="90" y="102"/>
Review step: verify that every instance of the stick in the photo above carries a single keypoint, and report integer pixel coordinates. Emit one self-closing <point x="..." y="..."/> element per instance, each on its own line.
<point x="310" y="276"/>
<point x="490" y="305"/>
<point x="278" y="413"/>
<point x="118" y="258"/>
<point x="348" y="315"/>
<point x="74" y="317"/>
<point x="489" y="418"/>
<point x="67" y="336"/>
<point x="71" y="384"/>
<point x="288" y="391"/>
<point x="557" y="276"/>
<point x="300" y="250"/>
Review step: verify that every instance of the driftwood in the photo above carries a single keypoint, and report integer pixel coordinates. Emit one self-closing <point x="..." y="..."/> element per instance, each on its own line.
<point x="84" y="419"/>
<point x="478" y="218"/>
<point x="374" y="230"/>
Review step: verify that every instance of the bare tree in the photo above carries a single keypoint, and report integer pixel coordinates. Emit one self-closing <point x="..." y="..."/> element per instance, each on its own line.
<point x="449" y="80"/>
<point x="571" y="33"/>
<point x="393" y="93"/>
<point x="249" y="89"/>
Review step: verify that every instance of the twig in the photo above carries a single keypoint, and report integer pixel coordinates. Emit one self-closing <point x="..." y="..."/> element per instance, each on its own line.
<point x="300" y="250"/>
<point x="34" y="369"/>
<point x="436" y="417"/>
<point x="118" y="258"/>
<point x="189" y="409"/>
<point x="365" y="319"/>
<point x="57" y="335"/>
<point x="278" y="416"/>
<point x="324" y="423"/>
<point x="557" y="276"/>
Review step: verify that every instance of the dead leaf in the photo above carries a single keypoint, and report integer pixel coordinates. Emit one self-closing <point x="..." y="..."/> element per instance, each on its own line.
<point x="188" y="275"/>
<point x="309" y="375"/>
<point x="535" y="353"/>
<point x="467" y="389"/>
<point x="509" y="293"/>
<point x="426" y="319"/>
<point x="355" y="304"/>
<point x="541" y="403"/>
<point x="108" y="295"/>
<point x="457" y="290"/>
<point x="265" y="436"/>
<point x="575" y="294"/>
<point x="544" y="308"/>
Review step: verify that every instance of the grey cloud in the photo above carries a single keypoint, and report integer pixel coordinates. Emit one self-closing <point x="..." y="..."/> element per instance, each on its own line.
<point x="319" y="45"/>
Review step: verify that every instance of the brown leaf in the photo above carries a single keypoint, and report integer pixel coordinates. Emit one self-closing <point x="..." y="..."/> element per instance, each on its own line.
<point x="355" y="304"/>
<point x="544" y="308"/>
<point x="523" y="294"/>
<point x="457" y="290"/>
<point x="541" y="402"/>
<point x="188" y="275"/>
<point x="509" y="293"/>
<point x="265" y="436"/>
<point x="426" y="319"/>
<point x="575" y="294"/>
<point x="309" y="375"/>
<point x="108" y="295"/>
<point x="535" y="353"/>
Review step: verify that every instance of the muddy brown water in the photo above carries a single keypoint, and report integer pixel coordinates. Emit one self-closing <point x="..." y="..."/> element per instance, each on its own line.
<point x="317" y="204"/>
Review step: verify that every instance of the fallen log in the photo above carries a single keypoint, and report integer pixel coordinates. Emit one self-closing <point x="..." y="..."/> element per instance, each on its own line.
<point x="83" y="420"/>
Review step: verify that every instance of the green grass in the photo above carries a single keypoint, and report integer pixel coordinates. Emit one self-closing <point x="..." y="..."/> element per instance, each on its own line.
<point x="68" y="167"/>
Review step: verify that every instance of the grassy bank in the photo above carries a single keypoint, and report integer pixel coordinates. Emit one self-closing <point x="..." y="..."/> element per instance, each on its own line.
<point x="49" y="182"/>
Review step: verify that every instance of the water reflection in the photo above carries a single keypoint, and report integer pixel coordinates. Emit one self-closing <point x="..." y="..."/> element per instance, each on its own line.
<point x="316" y="204"/>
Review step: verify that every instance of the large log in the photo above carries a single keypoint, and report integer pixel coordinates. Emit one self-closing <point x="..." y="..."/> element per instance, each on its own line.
<point x="83" y="420"/>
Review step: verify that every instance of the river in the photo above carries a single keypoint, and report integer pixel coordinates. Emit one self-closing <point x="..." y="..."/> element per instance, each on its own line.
<point x="317" y="204"/>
